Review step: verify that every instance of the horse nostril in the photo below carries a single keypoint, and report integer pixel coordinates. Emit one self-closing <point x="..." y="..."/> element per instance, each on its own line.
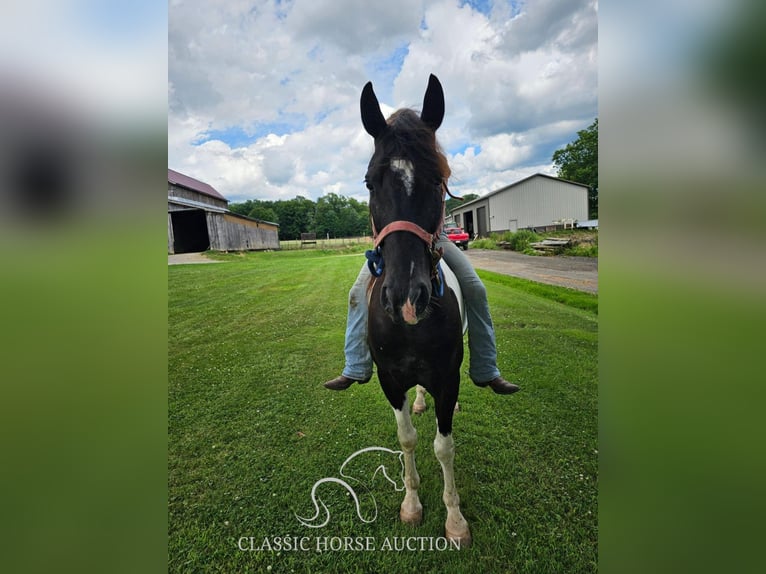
<point x="419" y="297"/>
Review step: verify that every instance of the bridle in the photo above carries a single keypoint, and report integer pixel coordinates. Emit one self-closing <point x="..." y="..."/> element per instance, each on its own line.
<point x="428" y="238"/>
<point x="375" y="258"/>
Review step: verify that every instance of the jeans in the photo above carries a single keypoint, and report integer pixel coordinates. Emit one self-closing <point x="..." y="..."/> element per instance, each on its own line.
<point x="481" y="333"/>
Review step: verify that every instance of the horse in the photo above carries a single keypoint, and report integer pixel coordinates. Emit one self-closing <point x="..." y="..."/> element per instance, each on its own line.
<point x="414" y="324"/>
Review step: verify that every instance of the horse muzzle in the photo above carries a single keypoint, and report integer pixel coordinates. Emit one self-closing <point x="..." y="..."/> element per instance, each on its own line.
<point x="408" y="304"/>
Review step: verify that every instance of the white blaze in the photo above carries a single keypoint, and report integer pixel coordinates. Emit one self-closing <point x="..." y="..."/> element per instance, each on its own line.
<point x="403" y="168"/>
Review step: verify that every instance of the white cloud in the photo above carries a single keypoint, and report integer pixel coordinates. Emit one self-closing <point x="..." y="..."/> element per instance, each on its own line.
<point x="355" y="26"/>
<point x="518" y="82"/>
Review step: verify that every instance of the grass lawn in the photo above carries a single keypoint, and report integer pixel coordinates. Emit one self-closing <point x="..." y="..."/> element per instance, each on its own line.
<point x="251" y="429"/>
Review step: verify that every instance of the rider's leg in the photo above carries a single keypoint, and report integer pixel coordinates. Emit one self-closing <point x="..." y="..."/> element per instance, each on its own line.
<point x="483" y="368"/>
<point x="358" y="367"/>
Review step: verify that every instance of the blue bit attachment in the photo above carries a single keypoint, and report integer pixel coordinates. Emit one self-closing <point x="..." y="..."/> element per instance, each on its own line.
<point x="375" y="261"/>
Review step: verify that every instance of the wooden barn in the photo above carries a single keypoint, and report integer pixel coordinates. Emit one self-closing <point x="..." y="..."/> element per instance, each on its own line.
<point x="536" y="202"/>
<point x="199" y="219"/>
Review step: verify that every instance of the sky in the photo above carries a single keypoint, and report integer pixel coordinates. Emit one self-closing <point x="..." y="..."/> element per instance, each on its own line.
<point x="263" y="95"/>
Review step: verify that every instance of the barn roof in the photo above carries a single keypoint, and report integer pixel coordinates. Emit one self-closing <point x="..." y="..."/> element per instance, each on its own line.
<point x="196" y="204"/>
<point x="177" y="178"/>
<point x="207" y="207"/>
<point x="514" y="184"/>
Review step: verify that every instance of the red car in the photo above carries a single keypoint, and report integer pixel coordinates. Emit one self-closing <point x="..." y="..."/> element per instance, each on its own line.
<point x="456" y="234"/>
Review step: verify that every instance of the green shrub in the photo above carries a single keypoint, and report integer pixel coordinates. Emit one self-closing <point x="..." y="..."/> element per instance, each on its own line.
<point x="484" y="243"/>
<point x="518" y="241"/>
<point x="585" y="250"/>
<point x="522" y="238"/>
<point x="583" y="246"/>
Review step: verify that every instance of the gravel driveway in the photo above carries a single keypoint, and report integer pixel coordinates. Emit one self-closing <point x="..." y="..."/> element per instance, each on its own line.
<point x="579" y="273"/>
<point x="186" y="258"/>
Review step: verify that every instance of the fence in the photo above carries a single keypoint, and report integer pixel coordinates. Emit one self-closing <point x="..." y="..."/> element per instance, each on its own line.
<point x="334" y="243"/>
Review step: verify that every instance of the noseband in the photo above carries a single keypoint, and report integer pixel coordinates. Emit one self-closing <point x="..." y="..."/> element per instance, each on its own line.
<point x="428" y="238"/>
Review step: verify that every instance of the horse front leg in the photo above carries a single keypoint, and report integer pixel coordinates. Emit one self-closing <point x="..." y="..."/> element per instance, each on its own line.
<point x="456" y="526"/>
<point x="411" y="510"/>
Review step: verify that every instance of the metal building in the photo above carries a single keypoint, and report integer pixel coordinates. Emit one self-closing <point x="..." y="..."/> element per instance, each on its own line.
<point x="199" y="219"/>
<point x="537" y="202"/>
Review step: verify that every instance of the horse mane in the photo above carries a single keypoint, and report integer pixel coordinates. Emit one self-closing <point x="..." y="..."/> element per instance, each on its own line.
<point x="411" y="138"/>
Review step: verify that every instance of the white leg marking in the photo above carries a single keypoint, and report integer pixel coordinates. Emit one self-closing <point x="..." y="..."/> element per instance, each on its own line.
<point x="411" y="510"/>
<point x="456" y="527"/>
<point x="404" y="169"/>
<point x="419" y="406"/>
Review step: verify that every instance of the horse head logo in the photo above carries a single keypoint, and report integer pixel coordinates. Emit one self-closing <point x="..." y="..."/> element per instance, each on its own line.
<point x="314" y="521"/>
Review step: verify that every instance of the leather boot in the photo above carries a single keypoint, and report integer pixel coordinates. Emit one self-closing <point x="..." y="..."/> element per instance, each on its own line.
<point x="342" y="383"/>
<point x="500" y="386"/>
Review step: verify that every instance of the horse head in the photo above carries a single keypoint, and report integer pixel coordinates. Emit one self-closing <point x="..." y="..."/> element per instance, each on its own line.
<point x="405" y="177"/>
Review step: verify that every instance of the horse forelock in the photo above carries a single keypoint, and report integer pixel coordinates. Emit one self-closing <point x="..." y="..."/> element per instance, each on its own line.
<point x="409" y="138"/>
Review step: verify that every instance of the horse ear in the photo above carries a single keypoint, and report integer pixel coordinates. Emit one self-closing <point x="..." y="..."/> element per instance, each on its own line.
<point x="372" y="117"/>
<point x="433" y="104"/>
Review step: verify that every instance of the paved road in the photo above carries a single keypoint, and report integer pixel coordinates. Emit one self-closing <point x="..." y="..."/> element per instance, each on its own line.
<point x="579" y="273"/>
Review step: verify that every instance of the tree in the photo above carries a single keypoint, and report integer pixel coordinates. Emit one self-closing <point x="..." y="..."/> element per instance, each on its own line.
<point x="332" y="215"/>
<point x="256" y="209"/>
<point x="339" y="216"/>
<point x="295" y="216"/>
<point x="362" y="217"/>
<point x="578" y="162"/>
<point x="264" y="210"/>
<point x="242" y="208"/>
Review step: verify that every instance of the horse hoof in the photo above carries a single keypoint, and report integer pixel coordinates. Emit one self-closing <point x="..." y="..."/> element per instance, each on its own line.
<point x="411" y="518"/>
<point x="461" y="539"/>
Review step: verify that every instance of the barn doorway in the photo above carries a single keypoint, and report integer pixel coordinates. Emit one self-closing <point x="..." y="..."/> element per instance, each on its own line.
<point x="190" y="231"/>
<point x="481" y="216"/>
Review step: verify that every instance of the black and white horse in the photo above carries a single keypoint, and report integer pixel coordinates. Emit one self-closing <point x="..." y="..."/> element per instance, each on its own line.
<point x="414" y="324"/>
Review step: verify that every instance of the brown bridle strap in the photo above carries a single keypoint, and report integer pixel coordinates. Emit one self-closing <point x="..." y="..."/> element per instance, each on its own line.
<point x="414" y="228"/>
